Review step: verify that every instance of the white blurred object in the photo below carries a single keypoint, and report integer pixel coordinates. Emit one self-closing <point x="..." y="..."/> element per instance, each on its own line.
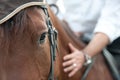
<point x="88" y="16"/>
<point x="60" y="5"/>
<point x="82" y="15"/>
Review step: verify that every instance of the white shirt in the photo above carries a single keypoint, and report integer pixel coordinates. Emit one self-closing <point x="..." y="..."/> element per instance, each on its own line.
<point x="82" y="15"/>
<point x="94" y="16"/>
<point x="108" y="22"/>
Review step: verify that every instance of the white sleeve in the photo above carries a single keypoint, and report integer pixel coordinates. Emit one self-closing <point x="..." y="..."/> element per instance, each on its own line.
<point x="82" y="15"/>
<point x="109" y="22"/>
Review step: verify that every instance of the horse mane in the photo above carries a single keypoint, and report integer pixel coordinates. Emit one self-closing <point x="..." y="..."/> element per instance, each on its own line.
<point x="65" y="39"/>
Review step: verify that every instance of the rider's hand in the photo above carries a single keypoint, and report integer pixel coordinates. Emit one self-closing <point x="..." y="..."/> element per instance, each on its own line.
<point x="74" y="61"/>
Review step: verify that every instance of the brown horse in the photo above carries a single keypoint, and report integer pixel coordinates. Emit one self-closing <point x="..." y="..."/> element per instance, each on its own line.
<point x="99" y="70"/>
<point x="25" y="51"/>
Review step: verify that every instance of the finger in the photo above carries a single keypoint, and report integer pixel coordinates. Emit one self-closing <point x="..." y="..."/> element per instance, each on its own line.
<point x="70" y="68"/>
<point x="77" y="68"/>
<point x="69" y="56"/>
<point x="73" y="72"/>
<point x="67" y="63"/>
<point x="72" y="48"/>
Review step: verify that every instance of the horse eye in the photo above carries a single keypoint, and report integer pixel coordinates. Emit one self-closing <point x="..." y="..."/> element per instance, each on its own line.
<point x="42" y="38"/>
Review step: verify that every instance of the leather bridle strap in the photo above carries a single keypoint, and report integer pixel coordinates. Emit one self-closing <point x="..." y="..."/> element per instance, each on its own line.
<point x="88" y="68"/>
<point x="112" y="64"/>
<point x="52" y="35"/>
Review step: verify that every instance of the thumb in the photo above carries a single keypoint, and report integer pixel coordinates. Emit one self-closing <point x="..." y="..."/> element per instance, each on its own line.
<point x="71" y="47"/>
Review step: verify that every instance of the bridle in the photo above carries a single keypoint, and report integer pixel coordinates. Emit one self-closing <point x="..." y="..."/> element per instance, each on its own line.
<point x="52" y="35"/>
<point x="52" y="32"/>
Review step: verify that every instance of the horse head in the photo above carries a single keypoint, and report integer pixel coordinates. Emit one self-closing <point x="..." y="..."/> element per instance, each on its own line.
<point x="24" y="40"/>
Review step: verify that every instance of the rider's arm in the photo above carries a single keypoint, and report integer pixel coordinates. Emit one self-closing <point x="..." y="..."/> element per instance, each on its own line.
<point x="107" y="28"/>
<point x="99" y="41"/>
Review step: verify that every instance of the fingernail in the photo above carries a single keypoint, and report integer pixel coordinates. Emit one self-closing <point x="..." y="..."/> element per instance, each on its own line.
<point x="63" y="58"/>
<point x="69" y="75"/>
<point x="65" y="70"/>
<point x="63" y="64"/>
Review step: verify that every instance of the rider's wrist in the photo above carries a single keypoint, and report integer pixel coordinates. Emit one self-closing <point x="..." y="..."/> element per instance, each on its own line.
<point x="88" y="59"/>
